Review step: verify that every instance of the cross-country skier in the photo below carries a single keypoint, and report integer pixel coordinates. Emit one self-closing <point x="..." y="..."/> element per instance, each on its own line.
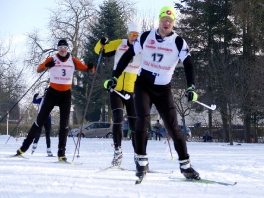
<point x="124" y="84"/>
<point x="61" y="68"/>
<point x="47" y="125"/>
<point x="161" y="50"/>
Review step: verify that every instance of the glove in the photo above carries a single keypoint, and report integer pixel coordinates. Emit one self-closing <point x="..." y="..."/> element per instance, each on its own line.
<point x="110" y="83"/>
<point x="36" y="95"/>
<point x="90" y="65"/>
<point x="50" y="64"/>
<point x="190" y="95"/>
<point x="103" y="40"/>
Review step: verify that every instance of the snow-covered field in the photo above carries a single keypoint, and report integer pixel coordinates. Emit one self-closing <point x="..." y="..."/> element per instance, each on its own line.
<point x="38" y="176"/>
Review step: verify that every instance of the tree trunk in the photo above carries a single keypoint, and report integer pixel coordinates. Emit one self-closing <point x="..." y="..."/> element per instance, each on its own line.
<point x="247" y="128"/>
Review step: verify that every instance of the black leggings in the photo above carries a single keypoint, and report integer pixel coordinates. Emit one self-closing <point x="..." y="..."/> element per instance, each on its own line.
<point x="117" y="105"/>
<point x="53" y="97"/>
<point x="47" y="126"/>
<point x="161" y="97"/>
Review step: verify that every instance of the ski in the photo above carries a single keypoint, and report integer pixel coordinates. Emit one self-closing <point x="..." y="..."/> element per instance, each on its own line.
<point x="125" y="169"/>
<point x="204" y="181"/>
<point x="63" y="162"/>
<point x="139" y="180"/>
<point x="16" y="157"/>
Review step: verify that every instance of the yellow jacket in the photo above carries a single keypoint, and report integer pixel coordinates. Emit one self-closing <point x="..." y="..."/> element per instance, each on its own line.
<point x="117" y="47"/>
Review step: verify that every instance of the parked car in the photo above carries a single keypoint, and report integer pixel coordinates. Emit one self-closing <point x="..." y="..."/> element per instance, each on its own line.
<point x="72" y="132"/>
<point x="163" y="132"/>
<point x="95" y="130"/>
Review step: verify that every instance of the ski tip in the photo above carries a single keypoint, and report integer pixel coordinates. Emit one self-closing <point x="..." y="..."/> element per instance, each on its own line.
<point x="72" y="163"/>
<point x="172" y="159"/>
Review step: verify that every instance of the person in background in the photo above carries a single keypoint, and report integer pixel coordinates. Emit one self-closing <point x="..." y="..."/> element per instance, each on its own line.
<point x="124" y="84"/>
<point x="157" y="128"/>
<point x="61" y="68"/>
<point x="47" y="125"/>
<point x="161" y="51"/>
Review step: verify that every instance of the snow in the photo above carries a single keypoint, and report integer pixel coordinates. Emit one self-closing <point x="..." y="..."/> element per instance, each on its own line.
<point x="38" y="176"/>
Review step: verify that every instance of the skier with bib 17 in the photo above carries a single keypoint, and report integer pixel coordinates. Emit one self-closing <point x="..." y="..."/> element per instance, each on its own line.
<point x="161" y="50"/>
<point x="61" y="68"/>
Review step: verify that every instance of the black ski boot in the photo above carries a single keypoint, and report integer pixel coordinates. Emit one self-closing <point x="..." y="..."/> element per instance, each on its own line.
<point x="61" y="156"/>
<point x="117" y="157"/>
<point x="141" y="165"/>
<point x="187" y="170"/>
<point x="19" y="153"/>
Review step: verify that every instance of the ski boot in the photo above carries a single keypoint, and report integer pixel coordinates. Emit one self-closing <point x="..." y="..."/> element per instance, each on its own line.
<point x="49" y="152"/>
<point x="34" y="148"/>
<point x="187" y="170"/>
<point x="61" y="156"/>
<point x="135" y="160"/>
<point x="117" y="157"/>
<point x="141" y="165"/>
<point x="19" y="153"/>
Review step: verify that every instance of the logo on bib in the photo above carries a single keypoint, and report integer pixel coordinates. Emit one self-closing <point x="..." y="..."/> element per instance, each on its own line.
<point x="150" y="41"/>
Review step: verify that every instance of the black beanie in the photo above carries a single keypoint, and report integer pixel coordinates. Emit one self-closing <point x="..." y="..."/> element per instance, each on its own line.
<point x="62" y="42"/>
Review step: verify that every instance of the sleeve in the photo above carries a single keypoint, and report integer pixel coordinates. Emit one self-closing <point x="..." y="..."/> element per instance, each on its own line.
<point x="42" y="66"/>
<point x="81" y="66"/>
<point x="186" y="59"/>
<point x="189" y="71"/>
<point x="109" y="48"/>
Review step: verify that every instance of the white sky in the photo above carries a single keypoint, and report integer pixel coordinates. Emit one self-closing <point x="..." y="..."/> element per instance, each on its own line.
<point x="19" y="17"/>
<point x="39" y="177"/>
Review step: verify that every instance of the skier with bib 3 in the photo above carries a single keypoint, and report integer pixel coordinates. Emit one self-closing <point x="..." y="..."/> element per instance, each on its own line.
<point x="61" y="68"/>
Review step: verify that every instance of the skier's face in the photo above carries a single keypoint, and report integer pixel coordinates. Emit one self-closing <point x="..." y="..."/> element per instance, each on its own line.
<point x="165" y="26"/>
<point x="132" y="36"/>
<point x="63" y="50"/>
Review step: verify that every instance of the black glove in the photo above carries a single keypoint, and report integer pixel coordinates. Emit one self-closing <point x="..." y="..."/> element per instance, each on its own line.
<point x="190" y="95"/>
<point x="90" y="65"/>
<point x="104" y="40"/>
<point x="50" y="64"/>
<point x="110" y="83"/>
<point x="36" y="95"/>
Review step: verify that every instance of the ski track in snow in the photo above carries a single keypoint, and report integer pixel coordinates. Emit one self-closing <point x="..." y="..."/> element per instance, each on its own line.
<point x="39" y="177"/>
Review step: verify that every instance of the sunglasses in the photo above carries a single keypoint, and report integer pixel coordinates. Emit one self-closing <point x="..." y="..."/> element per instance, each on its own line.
<point x="167" y="19"/>
<point x="133" y="35"/>
<point x="63" y="47"/>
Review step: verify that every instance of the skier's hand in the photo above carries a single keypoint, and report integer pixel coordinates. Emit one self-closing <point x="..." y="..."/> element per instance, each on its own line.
<point x="104" y="40"/>
<point x="110" y="83"/>
<point x="90" y="65"/>
<point x="50" y="64"/>
<point x="190" y="95"/>
<point x="36" y="95"/>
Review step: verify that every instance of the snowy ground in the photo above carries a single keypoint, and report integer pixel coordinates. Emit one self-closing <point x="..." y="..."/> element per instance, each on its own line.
<point x="38" y="176"/>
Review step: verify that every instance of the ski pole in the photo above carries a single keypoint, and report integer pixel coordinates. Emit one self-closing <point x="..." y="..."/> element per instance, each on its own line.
<point x="126" y="97"/>
<point x="172" y="159"/>
<point x="212" y="107"/>
<point x="22" y="96"/>
<point x="88" y="101"/>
